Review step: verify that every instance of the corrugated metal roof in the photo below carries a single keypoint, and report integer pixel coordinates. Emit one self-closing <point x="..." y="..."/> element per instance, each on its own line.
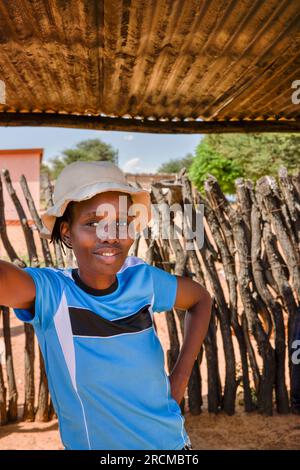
<point x="149" y="60"/>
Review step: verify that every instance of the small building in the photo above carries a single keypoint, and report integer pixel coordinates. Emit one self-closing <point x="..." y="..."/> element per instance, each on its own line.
<point x="19" y="162"/>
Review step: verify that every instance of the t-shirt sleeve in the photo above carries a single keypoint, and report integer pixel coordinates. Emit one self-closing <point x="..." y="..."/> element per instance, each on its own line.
<point x="48" y="294"/>
<point x="164" y="289"/>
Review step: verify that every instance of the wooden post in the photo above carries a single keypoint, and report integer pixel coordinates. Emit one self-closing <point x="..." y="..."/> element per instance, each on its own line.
<point x="245" y="280"/>
<point x="266" y="186"/>
<point x="12" y="414"/>
<point x="29" y="411"/>
<point x="3" y="233"/>
<point x="293" y="204"/>
<point x="274" y="307"/>
<point x="37" y="220"/>
<point x="228" y="262"/>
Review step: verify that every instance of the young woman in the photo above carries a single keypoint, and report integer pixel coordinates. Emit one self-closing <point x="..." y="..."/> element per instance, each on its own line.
<point x="94" y="323"/>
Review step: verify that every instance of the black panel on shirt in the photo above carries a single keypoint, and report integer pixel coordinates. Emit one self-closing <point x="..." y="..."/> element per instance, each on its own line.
<point x="85" y="322"/>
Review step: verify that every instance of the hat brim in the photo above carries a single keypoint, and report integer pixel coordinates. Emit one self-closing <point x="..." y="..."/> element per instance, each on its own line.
<point x="139" y="196"/>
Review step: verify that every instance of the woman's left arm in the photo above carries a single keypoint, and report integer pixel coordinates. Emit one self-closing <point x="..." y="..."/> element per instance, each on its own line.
<point x="196" y="300"/>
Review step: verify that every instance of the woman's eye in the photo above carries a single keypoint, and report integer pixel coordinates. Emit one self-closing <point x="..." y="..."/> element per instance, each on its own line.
<point x="92" y="224"/>
<point x="120" y="223"/>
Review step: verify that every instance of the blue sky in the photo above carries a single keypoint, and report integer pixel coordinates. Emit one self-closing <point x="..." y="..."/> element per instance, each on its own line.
<point x="137" y="152"/>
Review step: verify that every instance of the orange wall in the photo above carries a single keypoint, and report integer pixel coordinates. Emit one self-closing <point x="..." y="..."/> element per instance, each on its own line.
<point x="18" y="163"/>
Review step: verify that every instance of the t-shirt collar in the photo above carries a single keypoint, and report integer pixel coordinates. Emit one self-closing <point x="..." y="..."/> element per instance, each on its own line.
<point x="92" y="290"/>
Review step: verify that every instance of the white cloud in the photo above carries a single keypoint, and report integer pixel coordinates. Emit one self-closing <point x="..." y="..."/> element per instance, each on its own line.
<point x="132" y="165"/>
<point x="128" y="137"/>
<point x="136" y="165"/>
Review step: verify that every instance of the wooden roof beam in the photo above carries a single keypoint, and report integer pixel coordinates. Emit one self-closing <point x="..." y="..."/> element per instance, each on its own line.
<point x="146" y="125"/>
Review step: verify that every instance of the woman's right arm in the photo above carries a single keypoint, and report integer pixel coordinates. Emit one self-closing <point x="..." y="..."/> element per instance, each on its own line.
<point x="17" y="288"/>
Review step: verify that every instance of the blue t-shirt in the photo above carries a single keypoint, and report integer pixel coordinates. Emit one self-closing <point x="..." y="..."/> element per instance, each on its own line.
<point x="104" y="360"/>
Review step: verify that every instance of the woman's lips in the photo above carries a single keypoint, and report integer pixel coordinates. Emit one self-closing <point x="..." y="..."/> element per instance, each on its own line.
<point x="107" y="255"/>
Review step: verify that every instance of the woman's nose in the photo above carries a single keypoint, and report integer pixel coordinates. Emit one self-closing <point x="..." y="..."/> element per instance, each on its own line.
<point x="107" y="231"/>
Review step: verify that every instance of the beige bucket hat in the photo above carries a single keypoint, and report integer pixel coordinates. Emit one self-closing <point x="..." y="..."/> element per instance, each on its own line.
<point x="82" y="180"/>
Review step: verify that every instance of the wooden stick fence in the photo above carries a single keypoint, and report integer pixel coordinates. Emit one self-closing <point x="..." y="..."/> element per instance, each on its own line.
<point x="255" y="242"/>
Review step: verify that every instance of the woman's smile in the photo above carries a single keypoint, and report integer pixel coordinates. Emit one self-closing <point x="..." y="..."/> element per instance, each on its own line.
<point x="108" y="255"/>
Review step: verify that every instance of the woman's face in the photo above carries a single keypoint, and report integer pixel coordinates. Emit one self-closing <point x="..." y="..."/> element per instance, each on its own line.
<point x="96" y="254"/>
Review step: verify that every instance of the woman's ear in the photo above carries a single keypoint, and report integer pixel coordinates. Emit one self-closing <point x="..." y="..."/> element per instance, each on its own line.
<point x="65" y="233"/>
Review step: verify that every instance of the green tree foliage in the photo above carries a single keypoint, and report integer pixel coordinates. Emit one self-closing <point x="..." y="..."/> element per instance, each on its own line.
<point x="208" y="161"/>
<point x="87" y="150"/>
<point x="259" y="154"/>
<point x="228" y="156"/>
<point x="176" y="164"/>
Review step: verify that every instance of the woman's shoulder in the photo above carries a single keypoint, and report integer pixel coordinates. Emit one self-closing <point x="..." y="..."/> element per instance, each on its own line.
<point x="49" y="272"/>
<point x="132" y="262"/>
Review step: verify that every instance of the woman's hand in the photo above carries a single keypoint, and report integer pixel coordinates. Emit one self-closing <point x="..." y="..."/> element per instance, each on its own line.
<point x="178" y="385"/>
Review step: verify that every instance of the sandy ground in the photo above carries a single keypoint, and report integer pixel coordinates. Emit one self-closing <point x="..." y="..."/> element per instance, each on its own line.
<point x="207" y="432"/>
